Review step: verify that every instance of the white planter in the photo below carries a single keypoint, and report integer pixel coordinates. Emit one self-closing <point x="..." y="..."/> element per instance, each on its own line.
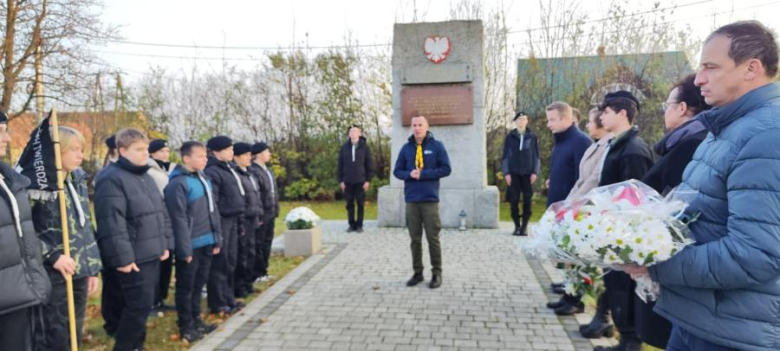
<point x="304" y="242"/>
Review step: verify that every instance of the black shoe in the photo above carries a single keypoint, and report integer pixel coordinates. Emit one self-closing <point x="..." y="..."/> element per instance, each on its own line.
<point x="203" y="327"/>
<point x="556" y="304"/>
<point x="416" y="279"/>
<point x="568" y="310"/>
<point x="191" y="335"/>
<point x="224" y="309"/>
<point x="557" y="285"/>
<point x="163" y="307"/>
<point x="624" y="345"/>
<point x="516" y="232"/>
<point x="351" y="229"/>
<point x="359" y="229"/>
<point x="435" y="281"/>
<point x="559" y="290"/>
<point x="524" y="227"/>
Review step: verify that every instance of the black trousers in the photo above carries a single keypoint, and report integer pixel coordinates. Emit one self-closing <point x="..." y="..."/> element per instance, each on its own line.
<point x="126" y="303"/>
<point x="190" y="280"/>
<point x="264" y="239"/>
<point x="354" y="193"/>
<point x="620" y="294"/>
<point x="56" y="325"/>
<point x="521" y="189"/>
<point x="223" y="267"/>
<point x="166" y="270"/>
<point x="245" y="267"/>
<point x="16" y="330"/>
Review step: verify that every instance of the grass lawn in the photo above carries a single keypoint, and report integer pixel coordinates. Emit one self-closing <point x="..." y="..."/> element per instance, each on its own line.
<point x="161" y="332"/>
<point x="336" y="210"/>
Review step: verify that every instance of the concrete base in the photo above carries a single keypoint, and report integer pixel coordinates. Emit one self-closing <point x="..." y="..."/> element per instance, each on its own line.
<point x="481" y="206"/>
<point x="304" y="242"/>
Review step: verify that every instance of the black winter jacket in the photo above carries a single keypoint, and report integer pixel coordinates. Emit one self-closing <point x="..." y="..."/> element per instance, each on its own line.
<point x="254" y="203"/>
<point x="227" y="192"/>
<point x="358" y="170"/>
<point x="628" y="157"/>
<point x="269" y="190"/>
<point x="23" y="280"/>
<point x="676" y="150"/>
<point x="132" y="221"/>
<point x="195" y="221"/>
<point x="521" y="153"/>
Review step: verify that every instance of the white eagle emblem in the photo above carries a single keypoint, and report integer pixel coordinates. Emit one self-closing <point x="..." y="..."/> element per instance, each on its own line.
<point x="437" y="48"/>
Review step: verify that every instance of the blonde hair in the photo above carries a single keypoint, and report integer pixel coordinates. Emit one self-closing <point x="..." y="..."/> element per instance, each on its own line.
<point x="563" y="108"/>
<point x="69" y="136"/>
<point x="128" y="136"/>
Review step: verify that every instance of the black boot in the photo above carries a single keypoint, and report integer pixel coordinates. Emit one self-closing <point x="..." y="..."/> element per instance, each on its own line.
<point x="626" y="344"/>
<point x="601" y="324"/>
<point x="517" y="227"/>
<point x="435" y="281"/>
<point x="524" y="228"/>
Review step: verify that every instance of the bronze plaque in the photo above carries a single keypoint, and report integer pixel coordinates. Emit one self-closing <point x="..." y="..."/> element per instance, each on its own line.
<point x="442" y="105"/>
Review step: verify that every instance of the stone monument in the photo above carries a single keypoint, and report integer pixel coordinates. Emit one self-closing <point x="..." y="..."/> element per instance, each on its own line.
<point x="437" y="71"/>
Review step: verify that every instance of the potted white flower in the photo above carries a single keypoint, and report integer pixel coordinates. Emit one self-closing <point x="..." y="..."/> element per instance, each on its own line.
<point x="303" y="236"/>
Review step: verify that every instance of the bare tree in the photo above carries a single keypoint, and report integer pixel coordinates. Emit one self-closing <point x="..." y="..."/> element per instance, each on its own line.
<point x="65" y="31"/>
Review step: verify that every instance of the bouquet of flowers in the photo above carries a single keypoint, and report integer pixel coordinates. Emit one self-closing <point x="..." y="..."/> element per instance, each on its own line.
<point x="619" y="224"/>
<point x="301" y="218"/>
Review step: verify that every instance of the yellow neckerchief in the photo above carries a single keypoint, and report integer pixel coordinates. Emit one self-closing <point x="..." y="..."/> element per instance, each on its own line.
<point x="418" y="158"/>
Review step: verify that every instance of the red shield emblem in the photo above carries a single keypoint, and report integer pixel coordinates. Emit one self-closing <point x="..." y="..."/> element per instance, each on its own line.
<point x="437" y="48"/>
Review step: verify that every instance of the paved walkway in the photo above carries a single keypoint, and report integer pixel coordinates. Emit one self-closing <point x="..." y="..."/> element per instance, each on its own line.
<point x="354" y="297"/>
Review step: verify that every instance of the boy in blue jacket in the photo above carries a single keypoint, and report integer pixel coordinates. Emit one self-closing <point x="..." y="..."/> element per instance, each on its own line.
<point x="196" y="229"/>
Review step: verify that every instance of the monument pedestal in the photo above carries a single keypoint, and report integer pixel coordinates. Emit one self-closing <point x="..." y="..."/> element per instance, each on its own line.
<point x="480" y="205"/>
<point x="438" y="73"/>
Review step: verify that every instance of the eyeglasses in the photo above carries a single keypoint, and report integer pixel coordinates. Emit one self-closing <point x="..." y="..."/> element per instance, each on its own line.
<point x="666" y="104"/>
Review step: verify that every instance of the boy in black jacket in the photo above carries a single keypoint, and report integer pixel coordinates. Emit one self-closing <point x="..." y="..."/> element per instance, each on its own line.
<point x="134" y="235"/>
<point x="355" y="170"/>
<point x="229" y="195"/>
<point x="264" y="234"/>
<point x="195" y="223"/>
<point x="245" y="275"/>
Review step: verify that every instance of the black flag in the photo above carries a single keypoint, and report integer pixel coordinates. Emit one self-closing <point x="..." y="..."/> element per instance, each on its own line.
<point x="37" y="160"/>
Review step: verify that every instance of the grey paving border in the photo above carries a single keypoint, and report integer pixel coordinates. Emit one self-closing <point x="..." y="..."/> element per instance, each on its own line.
<point x="268" y="309"/>
<point x="569" y="323"/>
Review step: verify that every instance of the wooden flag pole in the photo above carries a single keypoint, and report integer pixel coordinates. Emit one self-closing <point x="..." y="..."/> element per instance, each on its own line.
<point x="64" y="222"/>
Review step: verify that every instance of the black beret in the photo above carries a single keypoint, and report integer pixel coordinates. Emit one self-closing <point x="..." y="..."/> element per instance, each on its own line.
<point x="259" y="147"/>
<point x="111" y="142"/>
<point x="241" y="148"/>
<point x="618" y="96"/>
<point x="219" y="143"/>
<point x="157" y="145"/>
<point x="518" y="114"/>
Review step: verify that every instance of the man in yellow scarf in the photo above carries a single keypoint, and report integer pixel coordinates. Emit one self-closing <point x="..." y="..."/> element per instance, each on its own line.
<point x="420" y="164"/>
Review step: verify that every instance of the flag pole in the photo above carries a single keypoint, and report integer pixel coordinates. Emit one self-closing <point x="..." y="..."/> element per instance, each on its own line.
<point x="64" y="223"/>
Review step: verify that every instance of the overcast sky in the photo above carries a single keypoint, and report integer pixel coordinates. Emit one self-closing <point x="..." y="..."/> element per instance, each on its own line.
<point x="271" y="24"/>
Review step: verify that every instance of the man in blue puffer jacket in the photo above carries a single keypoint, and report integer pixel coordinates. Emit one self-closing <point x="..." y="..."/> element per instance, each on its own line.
<point x="723" y="292"/>
<point x="420" y="164"/>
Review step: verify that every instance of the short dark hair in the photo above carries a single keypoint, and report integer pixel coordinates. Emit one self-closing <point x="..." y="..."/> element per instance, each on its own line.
<point x="689" y="93"/>
<point x="620" y="103"/>
<point x="354" y="126"/>
<point x="751" y="40"/>
<point x="188" y="146"/>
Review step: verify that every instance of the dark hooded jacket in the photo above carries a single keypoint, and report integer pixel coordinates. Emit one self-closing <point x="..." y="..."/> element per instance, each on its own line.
<point x="23" y="280"/>
<point x="228" y="191"/>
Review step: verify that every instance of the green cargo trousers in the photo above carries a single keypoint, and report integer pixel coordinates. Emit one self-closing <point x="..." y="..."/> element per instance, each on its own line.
<point x="424" y="215"/>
